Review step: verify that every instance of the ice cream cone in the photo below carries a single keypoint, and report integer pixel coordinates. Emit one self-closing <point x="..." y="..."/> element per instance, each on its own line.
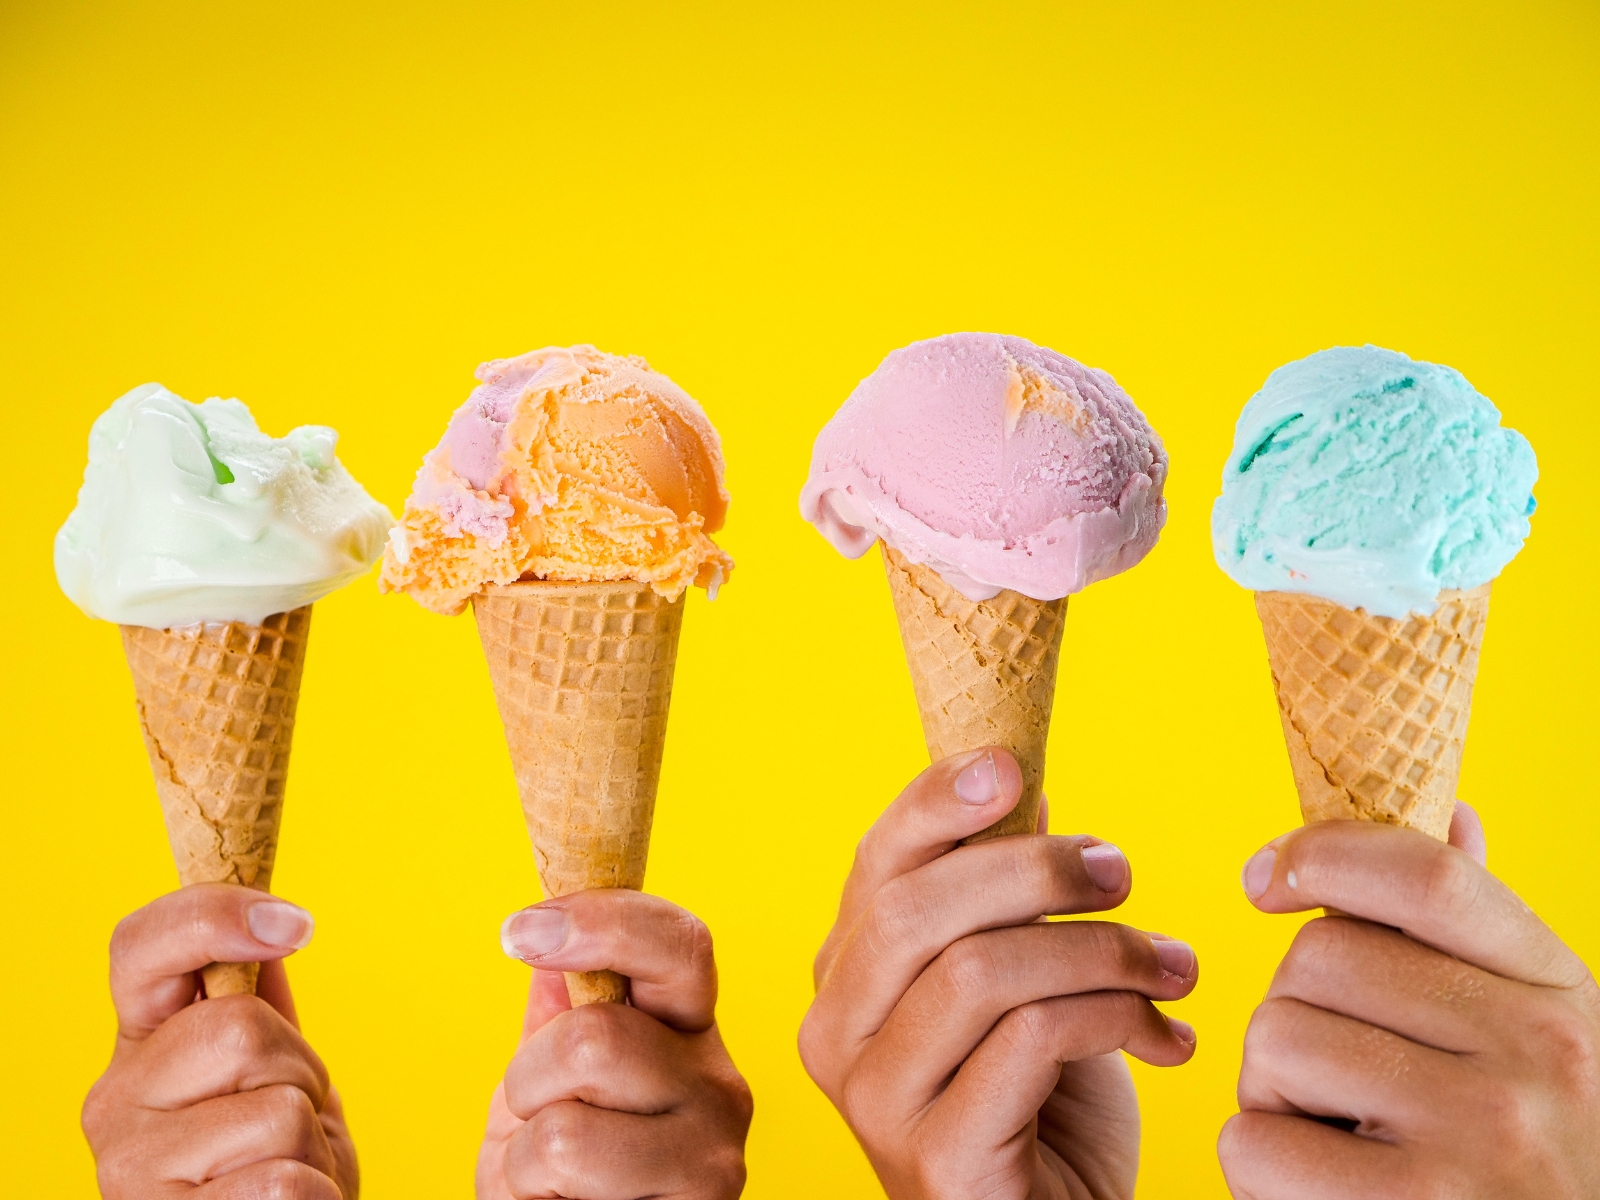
<point x="984" y="672"/>
<point x="216" y="705"/>
<point x="582" y="674"/>
<point x="1375" y="709"/>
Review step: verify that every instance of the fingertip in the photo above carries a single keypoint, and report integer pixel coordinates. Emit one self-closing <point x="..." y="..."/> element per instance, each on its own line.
<point x="1466" y="833"/>
<point x="1172" y="1044"/>
<point x="984" y="777"/>
<point x="280" y="926"/>
<point x="547" y="998"/>
<point x="1256" y="877"/>
<point x="1177" y="958"/>
<point x="1008" y="775"/>
<point x="272" y="985"/>
<point x="1269" y="878"/>
<point x="1106" y="866"/>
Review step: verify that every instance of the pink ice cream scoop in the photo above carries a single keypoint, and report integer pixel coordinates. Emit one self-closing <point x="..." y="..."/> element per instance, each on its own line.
<point x="998" y="463"/>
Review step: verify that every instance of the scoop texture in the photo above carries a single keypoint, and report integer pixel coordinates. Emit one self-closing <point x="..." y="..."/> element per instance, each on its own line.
<point x="998" y="463"/>
<point x="1373" y="481"/>
<point x="189" y="513"/>
<point x="566" y="463"/>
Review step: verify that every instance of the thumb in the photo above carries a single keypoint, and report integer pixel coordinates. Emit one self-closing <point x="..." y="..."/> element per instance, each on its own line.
<point x="157" y="951"/>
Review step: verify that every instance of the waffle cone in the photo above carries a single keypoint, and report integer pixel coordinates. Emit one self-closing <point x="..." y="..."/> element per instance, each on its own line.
<point x="1375" y="709"/>
<point x="582" y="674"/>
<point x="984" y="672"/>
<point x="216" y="706"/>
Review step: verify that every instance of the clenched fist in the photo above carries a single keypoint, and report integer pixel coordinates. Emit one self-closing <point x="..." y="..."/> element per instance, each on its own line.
<point x="617" y="1101"/>
<point x="213" y="1099"/>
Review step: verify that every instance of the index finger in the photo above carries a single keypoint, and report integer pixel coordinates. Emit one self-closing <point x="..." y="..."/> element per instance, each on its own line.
<point x="952" y="799"/>
<point x="1430" y="891"/>
<point x="157" y="951"/>
<point x="665" y="951"/>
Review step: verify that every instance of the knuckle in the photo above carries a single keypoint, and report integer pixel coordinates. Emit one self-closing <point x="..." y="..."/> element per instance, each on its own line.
<point x="1318" y="940"/>
<point x="1511" y="1118"/>
<point x="740" y="1099"/>
<point x="123" y="938"/>
<point x="285" y="1106"/>
<point x="285" y="1179"/>
<point x="244" y="1026"/>
<point x="968" y="967"/>
<point x="899" y="913"/>
<point x="1566" y="1048"/>
<point x="694" y="939"/>
<point x="723" y="1170"/>
<point x="99" y="1112"/>
<point x="1030" y="1027"/>
<point x="120" y="1169"/>
<point x="812" y="1046"/>
<point x="556" y="1138"/>
<point x="591" y="1038"/>
<point x="859" y="1098"/>
<point x="1267" y="1027"/>
<point x="865" y="852"/>
<point x="1448" y="885"/>
<point x="1318" y="946"/>
<point x="1232" y="1142"/>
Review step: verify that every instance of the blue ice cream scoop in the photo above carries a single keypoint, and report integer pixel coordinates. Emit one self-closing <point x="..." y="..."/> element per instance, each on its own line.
<point x="1371" y="480"/>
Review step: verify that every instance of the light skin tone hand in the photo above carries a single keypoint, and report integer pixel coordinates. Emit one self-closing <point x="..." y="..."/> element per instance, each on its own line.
<point x="971" y="1046"/>
<point x="1439" y="1041"/>
<point x="213" y="1099"/>
<point x="616" y="1101"/>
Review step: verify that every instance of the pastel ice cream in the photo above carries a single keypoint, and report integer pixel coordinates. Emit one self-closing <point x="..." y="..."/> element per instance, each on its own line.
<point x="189" y="513"/>
<point x="1373" y="481"/>
<point x="998" y="463"/>
<point x="1000" y="478"/>
<point x="566" y="463"/>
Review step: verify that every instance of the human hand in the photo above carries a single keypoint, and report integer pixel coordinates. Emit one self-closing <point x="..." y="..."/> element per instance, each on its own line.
<point x="616" y="1101"/>
<point x="1438" y="1041"/>
<point x="970" y="1045"/>
<point x="213" y="1099"/>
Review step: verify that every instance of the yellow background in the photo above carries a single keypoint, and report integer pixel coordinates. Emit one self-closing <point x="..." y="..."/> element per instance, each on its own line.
<point x="335" y="211"/>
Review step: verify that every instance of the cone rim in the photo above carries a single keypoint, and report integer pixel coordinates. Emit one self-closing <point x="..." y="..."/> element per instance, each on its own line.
<point x="1444" y="596"/>
<point x="574" y="587"/>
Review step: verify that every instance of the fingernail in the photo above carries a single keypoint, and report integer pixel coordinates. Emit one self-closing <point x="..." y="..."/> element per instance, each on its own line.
<point x="979" y="783"/>
<point x="1183" y="1029"/>
<point x="1177" y="958"/>
<point x="533" y="932"/>
<point x="1107" y="869"/>
<point x="1257" y="873"/>
<point x="279" y="924"/>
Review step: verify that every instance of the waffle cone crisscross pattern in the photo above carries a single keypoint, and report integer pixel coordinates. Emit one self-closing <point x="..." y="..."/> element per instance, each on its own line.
<point x="1375" y="709"/>
<point x="216" y="705"/>
<point x="984" y="672"/>
<point x="582" y="674"/>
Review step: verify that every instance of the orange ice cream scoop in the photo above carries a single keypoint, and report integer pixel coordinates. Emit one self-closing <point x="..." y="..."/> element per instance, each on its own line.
<point x="566" y="463"/>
